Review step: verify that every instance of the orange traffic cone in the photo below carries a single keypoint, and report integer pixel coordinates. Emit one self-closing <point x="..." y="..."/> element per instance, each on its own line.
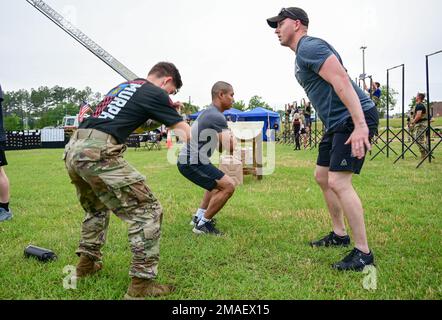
<point x="169" y="140"/>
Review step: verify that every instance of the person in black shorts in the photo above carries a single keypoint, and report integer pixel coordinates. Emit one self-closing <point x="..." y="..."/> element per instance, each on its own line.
<point x="5" y="211"/>
<point x="350" y="118"/>
<point x="297" y="131"/>
<point x="209" y="132"/>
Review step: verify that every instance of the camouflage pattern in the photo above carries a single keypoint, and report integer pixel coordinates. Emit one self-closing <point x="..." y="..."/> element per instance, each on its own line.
<point x="412" y="132"/>
<point x="106" y="183"/>
<point x="421" y="137"/>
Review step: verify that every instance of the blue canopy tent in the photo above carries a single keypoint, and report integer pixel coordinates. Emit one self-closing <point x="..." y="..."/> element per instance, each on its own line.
<point x="231" y="115"/>
<point x="264" y="115"/>
<point x="194" y="116"/>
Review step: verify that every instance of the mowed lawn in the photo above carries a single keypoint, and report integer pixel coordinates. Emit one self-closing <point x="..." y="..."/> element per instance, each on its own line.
<point x="265" y="252"/>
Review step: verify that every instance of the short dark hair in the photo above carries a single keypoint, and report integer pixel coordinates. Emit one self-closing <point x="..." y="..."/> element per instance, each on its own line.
<point x="377" y="84"/>
<point x="220" y="86"/>
<point x="167" y="69"/>
<point x="421" y="96"/>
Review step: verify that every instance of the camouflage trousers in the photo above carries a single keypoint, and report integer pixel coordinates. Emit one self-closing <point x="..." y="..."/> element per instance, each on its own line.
<point x="421" y="137"/>
<point x="106" y="183"/>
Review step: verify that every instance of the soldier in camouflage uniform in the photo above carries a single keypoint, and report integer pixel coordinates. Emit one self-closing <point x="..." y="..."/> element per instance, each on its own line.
<point x="419" y="124"/>
<point x="410" y="127"/>
<point x="106" y="183"/>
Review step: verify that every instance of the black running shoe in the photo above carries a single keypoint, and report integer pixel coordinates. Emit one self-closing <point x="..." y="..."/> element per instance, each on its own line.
<point x="207" y="228"/>
<point x="194" y="222"/>
<point x="332" y="240"/>
<point x="355" y="261"/>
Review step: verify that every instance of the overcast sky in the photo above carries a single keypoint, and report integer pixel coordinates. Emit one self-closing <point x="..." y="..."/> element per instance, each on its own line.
<point x="211" y="40"/>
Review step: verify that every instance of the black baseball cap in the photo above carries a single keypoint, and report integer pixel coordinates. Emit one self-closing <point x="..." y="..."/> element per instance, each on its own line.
<point x="291" y="13"/>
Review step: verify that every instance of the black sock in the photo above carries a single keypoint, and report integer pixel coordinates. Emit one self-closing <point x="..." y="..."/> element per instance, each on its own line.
<point x="5" y="206"/>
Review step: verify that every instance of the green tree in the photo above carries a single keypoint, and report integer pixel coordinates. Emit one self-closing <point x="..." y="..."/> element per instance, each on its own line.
<point x="45" y="106"/>
<point x="189" y="108"/>
<point x="55" y="116"/>
<point x="257" y="102"/>
<point x="382" y="106"/>
<point x="13" y="123"/>
<point x="240" y="105"/>
<point x="412" y="105"/>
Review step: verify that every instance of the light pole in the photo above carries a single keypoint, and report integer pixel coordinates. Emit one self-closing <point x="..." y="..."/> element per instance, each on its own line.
<point x="363" y="59"/>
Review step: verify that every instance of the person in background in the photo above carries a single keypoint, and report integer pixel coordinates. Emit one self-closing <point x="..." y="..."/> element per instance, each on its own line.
<point x="5" y="211"/>
<point x="419" y="124"/>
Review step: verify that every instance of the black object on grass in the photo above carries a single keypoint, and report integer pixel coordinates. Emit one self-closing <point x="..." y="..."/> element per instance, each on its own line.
<point x="41" y="254"/>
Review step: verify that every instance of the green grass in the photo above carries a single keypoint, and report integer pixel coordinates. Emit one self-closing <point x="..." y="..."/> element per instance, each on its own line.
<point x="397" y="122"/>
<point x="264" y="254"/>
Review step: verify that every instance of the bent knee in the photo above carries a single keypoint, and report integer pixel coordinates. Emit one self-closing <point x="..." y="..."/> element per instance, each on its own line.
<point x="322" y="179"/>
<point x="227" y="185"/>
<point x="230" y="190"/>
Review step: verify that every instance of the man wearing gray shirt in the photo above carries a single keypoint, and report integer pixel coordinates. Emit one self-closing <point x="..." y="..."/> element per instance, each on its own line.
<point x="209" y="133"/>
<point x="351" y="119"/>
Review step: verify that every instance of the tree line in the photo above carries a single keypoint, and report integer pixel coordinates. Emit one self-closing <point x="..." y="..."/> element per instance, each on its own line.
<point x="44" y="107"/>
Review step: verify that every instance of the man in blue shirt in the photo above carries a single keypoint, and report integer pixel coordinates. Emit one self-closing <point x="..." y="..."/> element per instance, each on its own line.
<point x="350" y="118"/>
<point x="375" y="91"/>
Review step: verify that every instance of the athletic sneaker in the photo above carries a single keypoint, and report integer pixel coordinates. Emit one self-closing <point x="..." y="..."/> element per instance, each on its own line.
<point x="207" y="228"/>
<point x="5" y="215"/>
<point x="332" y="240"/>
<point x="355" y="261"/>
<point x="194" y="222"/>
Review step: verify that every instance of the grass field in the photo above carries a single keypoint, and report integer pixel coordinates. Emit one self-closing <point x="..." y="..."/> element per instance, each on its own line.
<point x="397" y="123"/>
<point x="268" y="224"/>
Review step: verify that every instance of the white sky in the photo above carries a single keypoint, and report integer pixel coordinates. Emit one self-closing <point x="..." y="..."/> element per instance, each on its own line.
<point x="211" y="40"/>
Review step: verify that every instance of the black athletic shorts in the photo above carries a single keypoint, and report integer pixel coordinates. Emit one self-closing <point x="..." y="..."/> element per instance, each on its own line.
<point x="334" y="154"/>
<point x="3" y="161"/>
<point x="203" y="175"/>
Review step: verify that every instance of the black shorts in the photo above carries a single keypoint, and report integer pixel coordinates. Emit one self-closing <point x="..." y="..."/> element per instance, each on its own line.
<point x="3" y="161"/>
<point x="334" y="154"/>
<point x="203" y="175"/>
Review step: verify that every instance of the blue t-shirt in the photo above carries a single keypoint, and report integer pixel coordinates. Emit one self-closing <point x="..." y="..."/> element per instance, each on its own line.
<point x="310" y="56"/>
<point x="377" y="93"/>
<point x="204" y="137"/>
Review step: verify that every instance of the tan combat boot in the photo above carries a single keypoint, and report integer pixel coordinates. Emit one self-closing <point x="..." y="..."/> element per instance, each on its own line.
<point x="86" y="266"/>
<point x="139" y="289"/>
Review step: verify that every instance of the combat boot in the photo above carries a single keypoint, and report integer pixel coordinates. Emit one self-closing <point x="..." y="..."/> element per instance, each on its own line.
<point x="86" y="266"/>
<point x="139" y="289"/>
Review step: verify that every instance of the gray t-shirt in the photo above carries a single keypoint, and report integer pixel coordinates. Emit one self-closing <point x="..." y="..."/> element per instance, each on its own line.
<point x="310" y="56"/>
<point x="204" y="140"/>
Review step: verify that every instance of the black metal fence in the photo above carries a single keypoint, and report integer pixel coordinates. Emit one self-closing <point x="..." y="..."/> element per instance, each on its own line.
<point x="23" y="140"/>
